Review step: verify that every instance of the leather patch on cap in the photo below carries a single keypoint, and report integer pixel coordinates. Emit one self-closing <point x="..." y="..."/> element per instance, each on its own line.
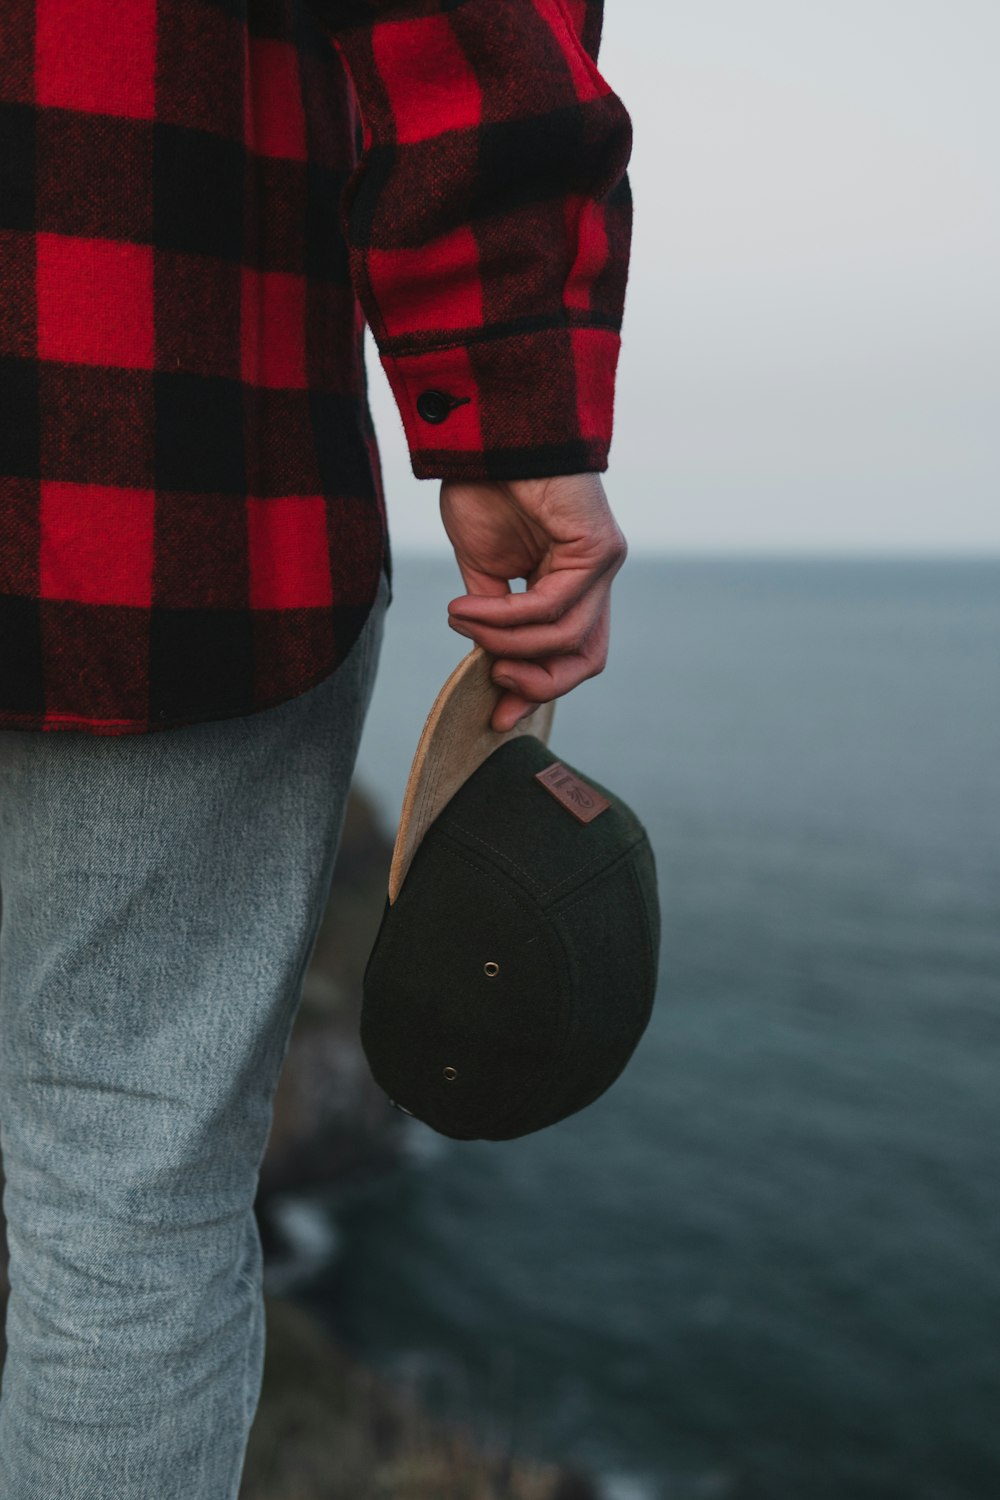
<point x="575" y="795"/>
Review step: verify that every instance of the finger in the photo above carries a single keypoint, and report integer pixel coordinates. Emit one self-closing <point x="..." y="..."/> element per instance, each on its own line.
<point x="510" y="710"/>
<point x="481" y="584"/>
<point x="541" y="682"/>
<point x="566" y="637"/>
<point x="541" y="603"/>
<point x="552" y="677"/>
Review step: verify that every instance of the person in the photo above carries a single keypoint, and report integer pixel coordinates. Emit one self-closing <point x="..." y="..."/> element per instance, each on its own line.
<point x="202" y="204"/>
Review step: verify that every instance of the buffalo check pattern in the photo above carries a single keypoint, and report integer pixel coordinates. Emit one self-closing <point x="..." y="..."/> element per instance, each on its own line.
<point x="202" y="202"/>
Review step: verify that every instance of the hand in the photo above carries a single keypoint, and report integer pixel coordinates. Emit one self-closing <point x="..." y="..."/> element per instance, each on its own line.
<point x="559" y="536"/>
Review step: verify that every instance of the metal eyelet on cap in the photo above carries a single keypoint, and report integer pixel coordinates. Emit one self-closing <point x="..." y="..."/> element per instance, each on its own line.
<point x="450" y="1073"/>
<point x="491" y="969"/>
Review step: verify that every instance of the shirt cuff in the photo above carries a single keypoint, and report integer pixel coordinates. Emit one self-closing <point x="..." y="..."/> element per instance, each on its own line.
<point x="524" y="406"/>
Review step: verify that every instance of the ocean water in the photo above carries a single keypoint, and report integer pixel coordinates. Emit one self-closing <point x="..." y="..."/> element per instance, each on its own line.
<point x="766" y="1264"/>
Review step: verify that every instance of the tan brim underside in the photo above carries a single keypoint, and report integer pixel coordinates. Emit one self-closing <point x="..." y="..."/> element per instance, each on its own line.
<point x="456" y="739"/>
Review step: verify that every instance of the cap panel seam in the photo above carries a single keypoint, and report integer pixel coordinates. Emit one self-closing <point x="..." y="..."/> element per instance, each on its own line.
<point x="638" y="908"/>
<point x="604" y="862"/>
<point x="653" y="918"/>
<point x="447" y="835"/>
<point x="578" y="898"/>
<point x="524" y="1093"/>
<point x="638" y="904"/>
<point x="565" y="880"/>
<point x="652" y="967"/>
<point x="485" y="844"/>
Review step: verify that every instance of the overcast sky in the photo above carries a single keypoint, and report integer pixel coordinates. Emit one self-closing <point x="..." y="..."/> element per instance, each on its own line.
<point x="811" y="347"/>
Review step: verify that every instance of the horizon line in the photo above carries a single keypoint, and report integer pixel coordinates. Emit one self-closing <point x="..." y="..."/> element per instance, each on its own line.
<point x="642" y="553"/>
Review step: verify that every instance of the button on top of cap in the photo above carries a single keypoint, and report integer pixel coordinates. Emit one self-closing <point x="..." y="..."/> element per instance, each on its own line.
<point x="434" y="406"/>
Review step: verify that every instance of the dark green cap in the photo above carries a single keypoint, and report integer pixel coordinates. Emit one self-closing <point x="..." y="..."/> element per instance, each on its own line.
<point x="514" y="972"/>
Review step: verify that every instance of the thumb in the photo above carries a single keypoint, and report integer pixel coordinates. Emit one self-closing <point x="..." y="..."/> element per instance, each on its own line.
<point x="477" y="581"/>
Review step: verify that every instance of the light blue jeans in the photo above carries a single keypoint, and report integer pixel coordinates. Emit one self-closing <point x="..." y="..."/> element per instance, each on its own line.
<point x="161" y="896"/>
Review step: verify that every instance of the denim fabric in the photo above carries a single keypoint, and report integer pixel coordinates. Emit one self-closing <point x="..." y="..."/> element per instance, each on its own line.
<point x="161" y="896"/>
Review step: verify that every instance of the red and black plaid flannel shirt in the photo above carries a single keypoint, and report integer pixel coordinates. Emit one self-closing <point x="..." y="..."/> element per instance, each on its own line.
<point x="201" y="202"/>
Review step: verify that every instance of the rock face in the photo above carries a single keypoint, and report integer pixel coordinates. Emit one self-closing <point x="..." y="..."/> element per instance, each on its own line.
<point x="326" y="1428"/>
<point x="331" y="1120"/>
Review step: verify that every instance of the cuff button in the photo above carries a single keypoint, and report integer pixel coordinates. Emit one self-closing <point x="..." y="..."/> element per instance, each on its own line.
<point x="434" y="406"/>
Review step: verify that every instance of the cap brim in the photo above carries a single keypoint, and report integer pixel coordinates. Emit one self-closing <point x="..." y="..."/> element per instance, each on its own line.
<point x="456" y="739"/>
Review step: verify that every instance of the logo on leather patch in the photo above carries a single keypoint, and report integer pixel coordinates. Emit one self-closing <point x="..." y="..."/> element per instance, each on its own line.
<point x="575" y="795"/>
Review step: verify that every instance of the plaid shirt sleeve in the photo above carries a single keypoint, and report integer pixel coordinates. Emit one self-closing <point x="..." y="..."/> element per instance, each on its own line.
<point x="488" y="224"/>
